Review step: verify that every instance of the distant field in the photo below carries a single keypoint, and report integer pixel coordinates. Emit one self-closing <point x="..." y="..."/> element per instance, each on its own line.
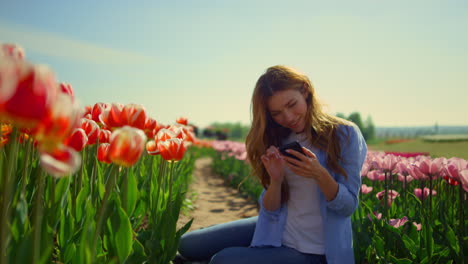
<point x="436" y="149"/>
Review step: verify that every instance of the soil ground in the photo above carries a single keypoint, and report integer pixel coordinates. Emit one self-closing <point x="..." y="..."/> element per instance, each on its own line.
<point x="214" y="202"/>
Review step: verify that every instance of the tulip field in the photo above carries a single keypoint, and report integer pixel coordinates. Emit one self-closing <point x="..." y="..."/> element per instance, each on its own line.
<point x="105" y="183"/>
<point x="411" y="206"/>
<point x="98" y="184"/>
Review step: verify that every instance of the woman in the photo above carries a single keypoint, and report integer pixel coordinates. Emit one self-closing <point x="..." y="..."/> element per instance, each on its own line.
<point x="307" y="203"/>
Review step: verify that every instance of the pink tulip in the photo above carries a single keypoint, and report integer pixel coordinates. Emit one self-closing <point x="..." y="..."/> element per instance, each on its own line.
<point x="423" y="194"/>
<point x="366" y="189"/>
<point x="398" y="222"/>
<point x="391" y="194"/>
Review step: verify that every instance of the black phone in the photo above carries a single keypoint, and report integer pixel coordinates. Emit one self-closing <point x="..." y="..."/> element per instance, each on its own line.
<point x="294" y="146"/>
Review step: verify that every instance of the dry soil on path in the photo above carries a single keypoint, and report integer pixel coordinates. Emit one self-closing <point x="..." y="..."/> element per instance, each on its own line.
<point x="214" y="202"/>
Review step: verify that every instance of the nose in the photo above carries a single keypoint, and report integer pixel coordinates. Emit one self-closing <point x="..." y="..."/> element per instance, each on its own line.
<point x="288" y="116"/>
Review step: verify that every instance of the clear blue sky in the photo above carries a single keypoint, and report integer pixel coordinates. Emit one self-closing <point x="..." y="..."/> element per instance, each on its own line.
<point x="401" y="62"/>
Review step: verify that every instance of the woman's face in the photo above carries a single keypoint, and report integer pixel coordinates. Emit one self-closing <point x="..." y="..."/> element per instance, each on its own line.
<point x="288" y="108"/>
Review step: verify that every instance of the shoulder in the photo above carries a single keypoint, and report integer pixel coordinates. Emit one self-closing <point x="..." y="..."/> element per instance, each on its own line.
<point x="349" y="131"/>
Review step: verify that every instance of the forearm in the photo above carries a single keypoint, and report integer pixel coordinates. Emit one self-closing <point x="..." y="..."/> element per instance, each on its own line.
<point x="272" y="197"/>
<point x="327" y="184"/>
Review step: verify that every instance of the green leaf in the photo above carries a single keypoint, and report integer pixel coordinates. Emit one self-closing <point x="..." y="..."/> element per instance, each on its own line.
<point x="80" y="202"/>
<point x="452" y="239"/>
<point x="123" y="235"/>
<point x="60" y="189"/>
<point x="70" y="252"/>
<point x="411" y="246"/>
<point x="379" y="245"/>
<point x="400" y="261"/>
<point x="132" y="193"/>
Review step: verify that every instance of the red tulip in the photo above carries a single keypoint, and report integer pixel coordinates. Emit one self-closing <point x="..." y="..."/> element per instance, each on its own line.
<point x="152" y="148"/>
<point x="27" y="92"/>
<point x="12" y="51"/>
<point x="61" y="161"/>
<point x="92" y="130"/>
<point x="133" y="115"/>
<point x="60" y="121"/>
<point x="104" y="136"/>
<point x="103" y="153"/>
<point x="182" y="121"/>
<point x="67" y="88"/>
<point x="172" y="149"/>
<point x="77" y="140"/>
<point x="126" y="145"/>
<point x="164" y="134"/>
<point x="97" y="110"/>
<point x="111" y="117"/>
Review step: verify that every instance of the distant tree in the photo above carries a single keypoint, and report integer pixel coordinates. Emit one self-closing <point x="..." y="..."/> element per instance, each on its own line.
<point x="355" y="117"/>
<point x="369" y="130"/>
<point x="341" y="115"/>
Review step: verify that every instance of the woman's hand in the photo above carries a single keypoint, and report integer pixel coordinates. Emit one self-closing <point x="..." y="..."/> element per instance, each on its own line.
<point x="274" y="164"/>
<point x="307" y="166"/>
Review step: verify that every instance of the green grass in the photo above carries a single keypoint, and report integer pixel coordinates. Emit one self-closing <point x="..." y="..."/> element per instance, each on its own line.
<point x="435" y="149"/>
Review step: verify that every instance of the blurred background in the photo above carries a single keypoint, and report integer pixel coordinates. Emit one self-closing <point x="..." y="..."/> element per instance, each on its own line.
<point x="397" y="68"/>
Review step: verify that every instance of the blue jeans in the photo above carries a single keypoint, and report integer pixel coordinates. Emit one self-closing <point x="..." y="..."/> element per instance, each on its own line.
<point x="229" y="243"/>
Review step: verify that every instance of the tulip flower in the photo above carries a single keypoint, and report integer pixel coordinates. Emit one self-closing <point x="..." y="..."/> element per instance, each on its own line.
<point x="172" y="149"/>
<point x="392" y="195"/>
<point x="12" y="51"/>
<point x="103" y="153"/>
<point x="398" y="222"/>
<point x="423" y="194"/>
<point x="77" y="140"/>
<point x="60" y="121"/>
<point x="126" y="145"/>
<point x="67" y="88"/>
<point x="366" y="189"/>
<point x="104" y="135"/>
<point x="97" y="110"/>
<point x="112" y="116"/>
<point x="133" y="115"/>
<point x="152" y="147"/>
<point x="182" y="121"/>
<point x="92" y="130"/>
<point x="61" y="161"/>
<point x="27" y="92"/>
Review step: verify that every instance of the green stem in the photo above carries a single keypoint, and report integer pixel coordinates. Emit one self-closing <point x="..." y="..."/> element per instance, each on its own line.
<point x="38" y="214"/>
<point x="7" y="186"/>
<point x="461" y="224"/>
<point x="125" y="191"/>
<point x="102" y="209"/>
<point x="171" y="175"/>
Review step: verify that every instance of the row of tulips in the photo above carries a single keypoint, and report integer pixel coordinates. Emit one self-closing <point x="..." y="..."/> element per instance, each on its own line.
<point x="411" y="207"/>
<point x="118" y="176"/>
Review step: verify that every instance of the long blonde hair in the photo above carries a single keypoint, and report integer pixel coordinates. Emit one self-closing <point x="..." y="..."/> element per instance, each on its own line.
<point x="320" y="127"/>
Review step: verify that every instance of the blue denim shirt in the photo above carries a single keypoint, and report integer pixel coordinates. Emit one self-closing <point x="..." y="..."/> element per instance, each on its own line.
<point x="336" y="213"/>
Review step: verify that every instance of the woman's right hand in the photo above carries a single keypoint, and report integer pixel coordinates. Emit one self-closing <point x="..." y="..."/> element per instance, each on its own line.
<point x="274" y="164"/>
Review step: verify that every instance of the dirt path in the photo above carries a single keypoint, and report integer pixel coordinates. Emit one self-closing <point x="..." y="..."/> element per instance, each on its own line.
<point x="214" y="201"/>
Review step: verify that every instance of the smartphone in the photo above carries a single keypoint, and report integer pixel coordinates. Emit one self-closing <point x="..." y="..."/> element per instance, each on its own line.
<point x="294" y="146"/>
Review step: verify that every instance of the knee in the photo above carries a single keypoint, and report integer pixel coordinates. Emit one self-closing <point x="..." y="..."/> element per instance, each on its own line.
<point x="188" y="246"/>
<point x="225" y="256"/>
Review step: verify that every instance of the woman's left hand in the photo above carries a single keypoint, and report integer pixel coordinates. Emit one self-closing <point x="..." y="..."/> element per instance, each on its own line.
<point x="307" y="166"/>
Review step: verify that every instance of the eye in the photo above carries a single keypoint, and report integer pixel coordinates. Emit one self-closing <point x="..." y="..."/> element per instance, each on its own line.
<point x="292" y="105"/>
<point x="274" y="114"/>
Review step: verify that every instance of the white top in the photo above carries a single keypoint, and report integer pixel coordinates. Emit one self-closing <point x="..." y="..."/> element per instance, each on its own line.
<point x="304" y="227"/>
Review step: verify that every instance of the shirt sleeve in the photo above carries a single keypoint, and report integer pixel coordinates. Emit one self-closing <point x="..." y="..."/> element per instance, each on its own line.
<point x="272" y="215"/>
<point x="353" y="154"/>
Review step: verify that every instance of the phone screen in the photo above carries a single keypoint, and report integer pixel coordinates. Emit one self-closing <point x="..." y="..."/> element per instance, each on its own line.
<point x="294" y="146"/>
